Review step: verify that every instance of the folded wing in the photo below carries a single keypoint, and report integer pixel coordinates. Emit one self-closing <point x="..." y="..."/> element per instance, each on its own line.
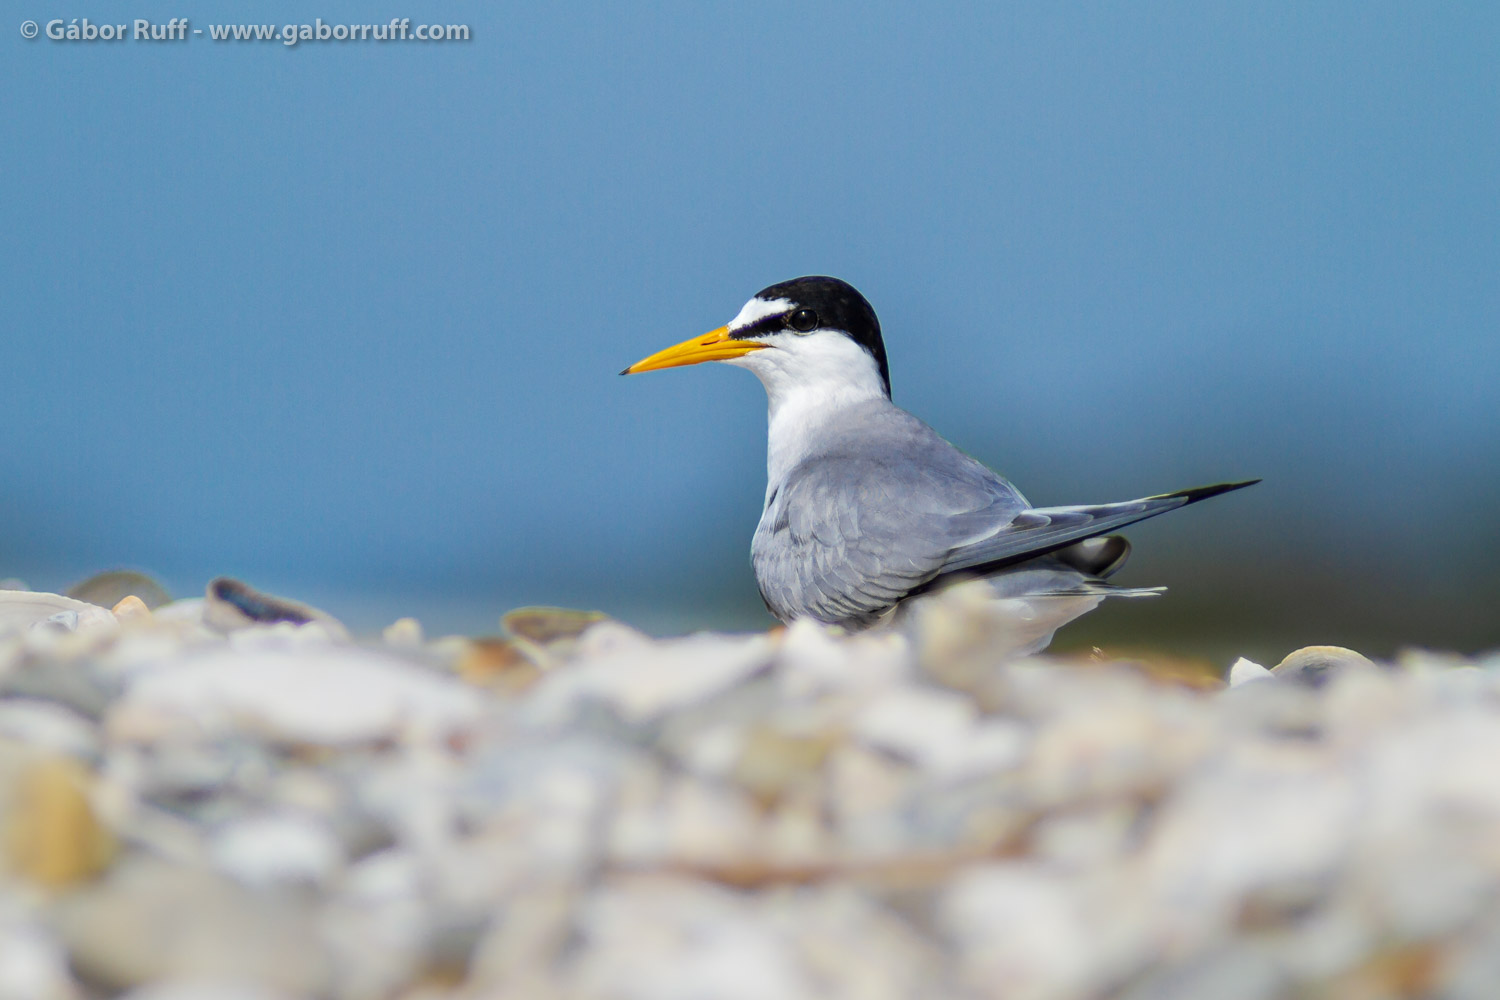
<point x="1039" y="531"/>
<point x="848" y="538"/>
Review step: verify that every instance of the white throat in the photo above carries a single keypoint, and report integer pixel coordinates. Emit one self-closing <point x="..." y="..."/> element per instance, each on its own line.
<point x="808" y="381"/>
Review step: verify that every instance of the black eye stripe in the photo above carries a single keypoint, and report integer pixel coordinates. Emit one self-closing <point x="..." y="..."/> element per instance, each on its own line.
<point x="799" y="320"/>
<point x="837" y="305"/>
<point x="763" y="326"/>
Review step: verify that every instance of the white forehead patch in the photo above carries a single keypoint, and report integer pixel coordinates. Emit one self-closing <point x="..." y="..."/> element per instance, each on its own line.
<point x="758" y="309"/>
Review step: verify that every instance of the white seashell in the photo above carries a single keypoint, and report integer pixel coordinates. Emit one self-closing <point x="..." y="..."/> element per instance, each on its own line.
<point x="326" y="695"/>
<point x="1244" y="671"/>
<point x="644" y="680"/>
<point x="25" y="609"/>
<point x="230" y="605"/>
<point x="276" y="850"/>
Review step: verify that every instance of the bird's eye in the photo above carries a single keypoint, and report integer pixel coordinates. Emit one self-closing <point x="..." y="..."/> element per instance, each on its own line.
<point x="803" y="321"/>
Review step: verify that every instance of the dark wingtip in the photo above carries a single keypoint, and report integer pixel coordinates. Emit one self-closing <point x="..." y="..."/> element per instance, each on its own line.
<point x="626" y="369"/>
<point x="1204" y="492"/>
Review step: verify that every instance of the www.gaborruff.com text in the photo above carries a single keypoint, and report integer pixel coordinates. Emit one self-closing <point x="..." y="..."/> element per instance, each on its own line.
<point x="178" y="29"/>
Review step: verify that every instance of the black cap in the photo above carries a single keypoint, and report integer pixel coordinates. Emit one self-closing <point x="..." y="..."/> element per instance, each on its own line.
<point x="838" y="306"/>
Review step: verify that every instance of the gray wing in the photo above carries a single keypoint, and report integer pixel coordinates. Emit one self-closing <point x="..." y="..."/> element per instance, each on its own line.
<point x="847" y="536"/>
<point x="1041" y="530"/>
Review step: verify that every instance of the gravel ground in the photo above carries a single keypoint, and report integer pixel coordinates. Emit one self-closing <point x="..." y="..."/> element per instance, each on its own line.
<point x="199" y="803"/>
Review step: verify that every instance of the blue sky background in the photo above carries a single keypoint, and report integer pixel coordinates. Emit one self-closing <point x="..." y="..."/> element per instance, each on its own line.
<point x="343" y="319"/>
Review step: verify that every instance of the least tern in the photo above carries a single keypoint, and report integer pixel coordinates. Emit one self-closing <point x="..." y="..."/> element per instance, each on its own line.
<point x="866" y="506"/>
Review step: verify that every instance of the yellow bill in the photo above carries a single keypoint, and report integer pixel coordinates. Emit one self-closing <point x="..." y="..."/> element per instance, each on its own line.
<point x="715" y="345"/>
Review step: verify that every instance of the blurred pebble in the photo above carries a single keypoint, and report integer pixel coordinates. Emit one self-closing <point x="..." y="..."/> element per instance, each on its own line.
<point x="152" y="922"/>
<point x="499" y="664"/>
<point x="642" y="681"/>
<point x="25" y="609"/>
<point x="403" y="632"/>
<point x="228" y="797"/>
<point x="110" y="588"/>
<point x="702" y="942"/>
<point x="378" y="923"/>
<point x="1314" y="665"/>
<point x="188" y="610"/>
<point x="925" y="726"/>
<point x="813" y="661"/>
<point x="49" y="726"/>
<point x="53" y="836"/>
<point x="230" y="605"/>
<point x="58" y="678"/>
<point x="1244" y="671"/>
<point x="204" y="990"/>
<point x="322" y="696"/>
<point x="545" y="626"/>
<point x="33" y="964"/>
<point x="774" y="761"/>
<point x="131" y="608"/>
<point x="1023" y="932"/>
<point x="276" y="850"/>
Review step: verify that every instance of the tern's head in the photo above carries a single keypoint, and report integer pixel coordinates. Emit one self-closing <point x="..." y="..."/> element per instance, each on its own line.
<point x="797" y="333"/>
